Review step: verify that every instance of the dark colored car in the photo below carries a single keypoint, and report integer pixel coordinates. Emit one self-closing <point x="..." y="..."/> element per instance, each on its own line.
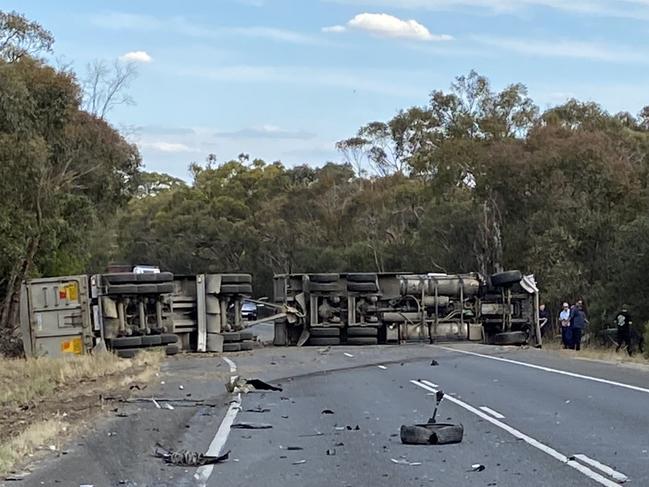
<point x="249" y="310"/>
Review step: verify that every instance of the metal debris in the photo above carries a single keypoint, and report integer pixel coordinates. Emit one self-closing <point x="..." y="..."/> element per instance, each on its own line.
<point x="327" y="411"/>
<point x="476" y="467"/>
<point x="294" y="448"/>
<point x="404" y="462"/>
<point x="251" y="426"/>
<point x="186" y="458"/>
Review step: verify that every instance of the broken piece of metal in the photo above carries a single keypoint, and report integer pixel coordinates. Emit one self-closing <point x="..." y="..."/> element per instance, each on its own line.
<point x="432" y="433"/>
<point x="186" y="458"/>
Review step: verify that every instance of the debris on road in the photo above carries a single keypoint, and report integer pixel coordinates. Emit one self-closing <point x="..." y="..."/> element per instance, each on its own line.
<point x="169" y="406"/>
<point x="155" y="403"/>
<point x="258" y="409"/>
<point x="327" y="411"/>
<point x="476" y="467"/>
<point x="294" y="448"/>
<point x="251" y="426"/>
<point x="240" y="384"/>
<point x="186" y="458"/>
<point x="404" y="462"/>
<point x="348" y="355"/>
<point x="432" y="433"/>
<point x="340" y="443"/>
<point x="299" y="462"/>
<point x="331" y="452"/>
<point x="181" y="387"/>
<point x="434" y="363"/>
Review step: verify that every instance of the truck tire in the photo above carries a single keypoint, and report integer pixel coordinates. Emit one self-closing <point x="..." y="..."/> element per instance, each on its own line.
<point x="361" y="277"/>
<point x="324" y="286"/>
<point x="510" y="338"/>
<point x="246" y="335"/>
<point x="362" y="341"/>
<point x="151" y="340"/>
<point x="231" y="347"/>
<point x="155" y="277"/>
<point x="362" y="287"/>
<point x="168" y="338"/>
<point x="171" y="349"/>
<point x="320" y="341"/>
<point x="246" y="345"/>
<point x="127" y="352"/>
<point x="165" y="288"/>
<point x="431" y="434"/>
<point x="323" y="278"/>
<point x="362" y="331"/>
<point x="119" y="277"/>
<point x="236" y="279"/>
<point x="323" y="331"/>
<point x="231" y="336"/>
<point x="507" y="278"/>
<point x="122" y="289"/>
<point x="236" y="288"/>
<point x="124" y="342"/>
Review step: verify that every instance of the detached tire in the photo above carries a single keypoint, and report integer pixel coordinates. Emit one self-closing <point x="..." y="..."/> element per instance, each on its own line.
<point x="362" y="331"/>
<point x="501" y="279"/>
<point x="431" y="434"/>
<point x="125" y="342"/>
<point x="236" y="279"/>
<point x="362" y="287"/>
<point x="172" y="349"/>
<point x="236" y="288"/>
<point x="325" y="332"/>
<point x="151" y="340"/>
<point x="324" y="286"/>
<point x="362" y="341"/>
<point x="231" y="347"/>
<point x="168" y="338"/>
<point x="510" y="338"/>
<point x="324" y="278"/>
<point x="231" y="336"/>
<point x="319" y="341"/>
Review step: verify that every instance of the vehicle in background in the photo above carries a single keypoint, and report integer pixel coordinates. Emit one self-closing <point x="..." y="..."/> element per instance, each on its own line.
<point x="248" y="310"/>
<point x="146" y="269"/>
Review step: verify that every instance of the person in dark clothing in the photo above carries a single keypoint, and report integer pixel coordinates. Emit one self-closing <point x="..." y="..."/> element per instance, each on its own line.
<point x="544" y="319"/>
<point x="578" y="322"/>
<point x="623" y="322"/>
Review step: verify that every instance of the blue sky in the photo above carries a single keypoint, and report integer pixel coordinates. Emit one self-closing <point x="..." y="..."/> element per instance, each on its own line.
<point x="285" y="79"/>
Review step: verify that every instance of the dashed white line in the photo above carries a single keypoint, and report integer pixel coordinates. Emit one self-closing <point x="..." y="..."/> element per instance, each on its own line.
<point x="527" y="439"/>
<point x="614" y="474"/>
<point x="347" y="354"/>
<point x="548" y="369"/>
<point x="429" y="383"/>
<point x="382" y="367"/>
<point x="203" y="473"/>
<point x="495" y="414"/>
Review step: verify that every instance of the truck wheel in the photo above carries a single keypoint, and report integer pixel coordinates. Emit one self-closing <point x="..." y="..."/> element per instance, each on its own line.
<point x="362" y="331"/>
<point x="119" y="277"/>
<point x="127" y="352"/>
<point x="362" y="287"/>
<point x="325" y="331"/>
<point x="165" y="288"/>
<point x="236" y="288"/>
<point x="324" y="286"/>
<point x="319" y="341"/>
<point x="124" y="342"/>
<point x="168" y="338"/>
<point x="506" y="278"/>
<point x="362" y="277"/>
<point x="362" y="341"/>
<point x="171" y="349"/>
<point x="231" y="336"/>
<point x="147" y="289"/>
<point x="431" y="434"/>
<point x="231" y="347"/>
<point x="151" y="340"/>
<point x="236" y="279"/>
<point x="510" y="338"/>
<point x="246" y="335"/>
<point x="246" y="345"/>
<point x="122" y="289"/>
<point x="155" y="277"/>
<point x="323" y="278"/>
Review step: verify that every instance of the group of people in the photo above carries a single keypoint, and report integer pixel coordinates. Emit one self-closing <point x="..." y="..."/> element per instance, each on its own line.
<point x="573" y="320"/>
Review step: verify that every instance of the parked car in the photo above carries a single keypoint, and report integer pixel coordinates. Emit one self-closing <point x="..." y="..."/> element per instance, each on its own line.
<point x="249" y="310"/>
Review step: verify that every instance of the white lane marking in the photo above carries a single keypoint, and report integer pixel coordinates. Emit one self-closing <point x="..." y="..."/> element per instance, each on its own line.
<point x="428" y="383"/>
<point x="347" y="354"/>
<point x="614" y="474"/>
<point x="203" y="473"/>
<point x="548" y="369"/>
<point x="382" y="367"/>
<point x="527" y="439"/>
<point x="495" y="414"/>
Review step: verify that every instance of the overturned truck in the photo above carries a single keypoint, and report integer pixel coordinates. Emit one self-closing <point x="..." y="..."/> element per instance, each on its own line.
<point x="390" y="307"/>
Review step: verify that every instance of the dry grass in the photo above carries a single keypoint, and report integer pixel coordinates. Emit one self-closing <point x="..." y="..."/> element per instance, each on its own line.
<point x="34" y="393"/>
<point x="597" y="353"/>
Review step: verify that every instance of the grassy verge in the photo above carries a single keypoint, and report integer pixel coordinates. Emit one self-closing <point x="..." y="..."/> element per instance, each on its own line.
<point x="41" y="398"/>
<point x="597" y="353"/>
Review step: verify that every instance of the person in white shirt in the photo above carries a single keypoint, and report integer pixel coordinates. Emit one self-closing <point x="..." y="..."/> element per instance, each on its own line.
<point x="564" y="321"/>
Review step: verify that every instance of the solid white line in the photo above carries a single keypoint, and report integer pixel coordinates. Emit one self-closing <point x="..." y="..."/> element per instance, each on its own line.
<point x="548" y="369"/>
<point x="614" y="474"/>
<point x="203" y="473"/>
<point x="383" y="367"/>
<point x="347" y="354"/>
<point x="527" y="439"/>
<point x="495" y="414"/>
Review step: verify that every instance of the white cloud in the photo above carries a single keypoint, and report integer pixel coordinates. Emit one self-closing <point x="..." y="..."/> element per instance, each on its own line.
<point x="385" y="25"/>
<point x="165" y="146"/>
<point x="137" y="57"/>
<point x="566" y="49"/>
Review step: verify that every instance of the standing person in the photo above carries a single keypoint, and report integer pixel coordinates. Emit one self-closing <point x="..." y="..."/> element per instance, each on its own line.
<point x="623" y="322"/>
<point x="564" y="322"/>
<point x="544" y="319"/>
<point x="578" y="322"/>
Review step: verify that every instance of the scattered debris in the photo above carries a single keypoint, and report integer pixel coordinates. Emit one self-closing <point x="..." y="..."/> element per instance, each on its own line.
<point x="322" y="351"/>
<point x="156" y="404"/>
<point x="434" y="362"/>
<point x="339" y="428"/>
<point x="251" y="426"/>
<point x="136" y="386"/>
<point x="317" y="433"/>
<point x="240" y="384"/>
<point x="340" y="443"/>
<point x="355" y="428"/>
<point x="331" y="452"/>
<point x="282" y="398"/>
<point x="122" y="415"/>
<point x="476" y="467"/>
<point x="348" y="355"/>
<point x="284" y="416"/>
<point x="299" y="462"/>
<point x="258" y="409"/>
<point x="169" y="406"/>
<point x="181" y="387"/>
<point x="432" y="433"/>
<point x="404" y="462"/>
<point x="186" y="458"/>
<point x="327" y="411"/>
<point x="294" y="448"/>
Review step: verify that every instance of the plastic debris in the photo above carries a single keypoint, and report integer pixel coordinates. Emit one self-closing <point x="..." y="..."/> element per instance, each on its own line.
<point x="156" y="404"/>
<point x="169" y="406"/>
<point x="181" y="387"/>
<point x="476" y="467"/>
<point x="404" y="462"/>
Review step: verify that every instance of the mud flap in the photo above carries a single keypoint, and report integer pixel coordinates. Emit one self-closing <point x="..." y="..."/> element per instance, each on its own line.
<point x="304" y="336"/>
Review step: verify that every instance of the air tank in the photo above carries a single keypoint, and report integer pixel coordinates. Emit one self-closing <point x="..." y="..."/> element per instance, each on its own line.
<point x="449" y="285"/>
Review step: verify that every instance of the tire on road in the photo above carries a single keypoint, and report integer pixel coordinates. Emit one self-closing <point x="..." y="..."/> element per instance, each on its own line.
<point x="231" y="336"/>
<point x="510" y="338"/>
<point x="362" y="277"/>
<point x="506" y="278"/>
<point x="124" y="342"/>
<point x="168" y="338"/>
<point x="324" y="286"/>
<point x="362" y="341"/>
<point x="362" y="287"/>
<point x="236" y="279"/>
<point x="172" y="349"/>
<point x="246" y="335"/>
<point x="325" y="331"/>
<point x="232" y="347"/>
<point x="320" y="341"/>
<point x="246" y="345"/>
<point x="431" y="434"/>
<point x="362" y="331"/>
<point x="323" y="278"/>
<point x="236" y="288"/>
<point x="151" y="340"/>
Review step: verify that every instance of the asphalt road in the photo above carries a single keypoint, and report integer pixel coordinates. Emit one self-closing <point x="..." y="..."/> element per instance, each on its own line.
<point x="525" y="415"/>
